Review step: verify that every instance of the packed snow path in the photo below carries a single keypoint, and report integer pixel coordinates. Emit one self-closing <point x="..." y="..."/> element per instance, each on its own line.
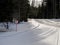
<point x="51" y="22"/>
<point x="30" y="33"/>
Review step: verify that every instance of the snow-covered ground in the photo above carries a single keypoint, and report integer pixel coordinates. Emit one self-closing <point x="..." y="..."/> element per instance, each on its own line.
<point x="32" y="32"/>
<point x="51" y="22"/>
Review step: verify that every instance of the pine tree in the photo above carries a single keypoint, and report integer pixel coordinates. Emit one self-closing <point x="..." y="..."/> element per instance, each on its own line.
<point x="24" y="7"/>
<point x="6" y="10"/>
<point x="39" y="15"/>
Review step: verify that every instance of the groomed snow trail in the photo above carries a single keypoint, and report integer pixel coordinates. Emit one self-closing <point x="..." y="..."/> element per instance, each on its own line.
<point x="30" y="33"/>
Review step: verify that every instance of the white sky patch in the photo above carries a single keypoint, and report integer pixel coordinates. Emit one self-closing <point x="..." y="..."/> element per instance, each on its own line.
<point x="37" y="2"/>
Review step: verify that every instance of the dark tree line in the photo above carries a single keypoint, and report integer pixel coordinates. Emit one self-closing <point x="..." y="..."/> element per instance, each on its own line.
<point x="21" y="10"/>
<point x="10" y="9"/>
<point x="5" y="9"/>
<point x="49" y="11"/>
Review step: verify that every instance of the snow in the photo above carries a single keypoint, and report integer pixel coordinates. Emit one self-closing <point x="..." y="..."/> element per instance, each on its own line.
<point x="51" y="22"/>
<point x="32" y="32"/>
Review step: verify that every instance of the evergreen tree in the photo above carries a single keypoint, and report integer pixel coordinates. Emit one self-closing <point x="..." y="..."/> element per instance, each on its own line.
<point x="42" y="11"/>
<point x="5" y="10"/>
<point x="39" y="15"/>
<point x="24" y="7"/>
